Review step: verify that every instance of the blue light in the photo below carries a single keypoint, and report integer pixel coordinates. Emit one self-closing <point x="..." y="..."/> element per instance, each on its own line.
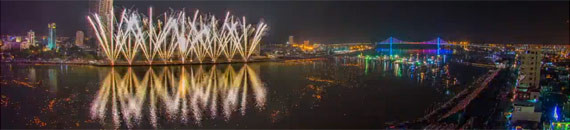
<point x="438" y="41"/>
<point x="555" y="113"/>
<point x="391" y="40"/>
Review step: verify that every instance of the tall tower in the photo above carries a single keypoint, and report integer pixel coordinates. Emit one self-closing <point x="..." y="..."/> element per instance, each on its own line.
<point x="52" y="38"/>
<point x="79" y="38"/>
<point x="32" y="38"/>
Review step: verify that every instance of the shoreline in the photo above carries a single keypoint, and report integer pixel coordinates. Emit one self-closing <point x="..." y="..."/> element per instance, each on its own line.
<point x="157" y="63"/>
<point x="103" y="63"/>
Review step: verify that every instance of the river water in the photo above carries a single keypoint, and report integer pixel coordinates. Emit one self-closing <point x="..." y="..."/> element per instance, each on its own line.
<point x="337" y="92"/>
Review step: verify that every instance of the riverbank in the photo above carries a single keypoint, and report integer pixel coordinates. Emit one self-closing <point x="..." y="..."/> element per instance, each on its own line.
<point x="158" y="63"/>
<point x="163" y="63"/>
<point x="452" y="106"/>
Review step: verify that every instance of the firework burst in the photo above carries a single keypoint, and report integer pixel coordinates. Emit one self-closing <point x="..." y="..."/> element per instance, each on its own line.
<point x="175" y="36"/>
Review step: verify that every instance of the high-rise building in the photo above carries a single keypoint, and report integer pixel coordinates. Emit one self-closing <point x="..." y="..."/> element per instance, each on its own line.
<point x="106" y="12"/>
<point x="104" y="8"/>
<point x="79" y="38"/>
<point x="52" y="37"/>
<point x="291" y="40"/>
<point x="306" y="42"/>
<point x="32" y="38"/>
<point x="530" y="67"/>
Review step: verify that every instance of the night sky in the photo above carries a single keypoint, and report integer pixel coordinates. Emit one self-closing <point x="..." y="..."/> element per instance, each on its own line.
<point x="335" y="22"/>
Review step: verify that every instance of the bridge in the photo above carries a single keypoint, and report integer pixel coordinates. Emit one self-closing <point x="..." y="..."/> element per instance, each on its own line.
<point x="393" y="41"/>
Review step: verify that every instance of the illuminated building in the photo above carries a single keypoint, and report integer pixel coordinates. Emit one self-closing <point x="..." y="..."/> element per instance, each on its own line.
<point x="15" y="42"/>
<point x="530" y="67"/>
<point x="11" y="45"/>
<point x="52" y="37"/>
<point x="104" y="8"/>
<point x="525" y="111"/>
<point x="79" y="38"/>
<point x="291" y="40"/>
<point x="18" y="39"/>
<point x="306" y="46"/>
<point x="340" y="48"/>
<point x="24" y="45"/>
<point x="32" y="38"/>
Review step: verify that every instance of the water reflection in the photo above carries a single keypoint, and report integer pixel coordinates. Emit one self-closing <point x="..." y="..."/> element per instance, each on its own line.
<point x="52" y="77"/>
<point x="184" y="93"/>
<point x="303" y="93"/>
<point x="413" y="66"/>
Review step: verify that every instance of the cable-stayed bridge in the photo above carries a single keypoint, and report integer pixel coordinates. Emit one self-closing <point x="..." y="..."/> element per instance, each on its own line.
<point x="393" y="41"/>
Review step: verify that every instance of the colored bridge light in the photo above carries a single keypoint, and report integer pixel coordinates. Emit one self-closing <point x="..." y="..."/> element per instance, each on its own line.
<point x="555" y="113"/>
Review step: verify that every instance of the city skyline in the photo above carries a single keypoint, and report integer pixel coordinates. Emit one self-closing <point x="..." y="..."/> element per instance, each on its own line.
<point x="335" y="22"/>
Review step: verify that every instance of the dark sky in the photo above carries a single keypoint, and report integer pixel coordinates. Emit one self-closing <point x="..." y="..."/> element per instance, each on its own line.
<point x="499" y="22"/>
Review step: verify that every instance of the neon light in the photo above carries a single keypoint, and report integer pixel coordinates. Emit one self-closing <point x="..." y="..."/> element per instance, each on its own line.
<point x="555" y="113"/>
<point x="52" y="38"/>
<point x="390" y="45"/>
<point x="438" y="41"/>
